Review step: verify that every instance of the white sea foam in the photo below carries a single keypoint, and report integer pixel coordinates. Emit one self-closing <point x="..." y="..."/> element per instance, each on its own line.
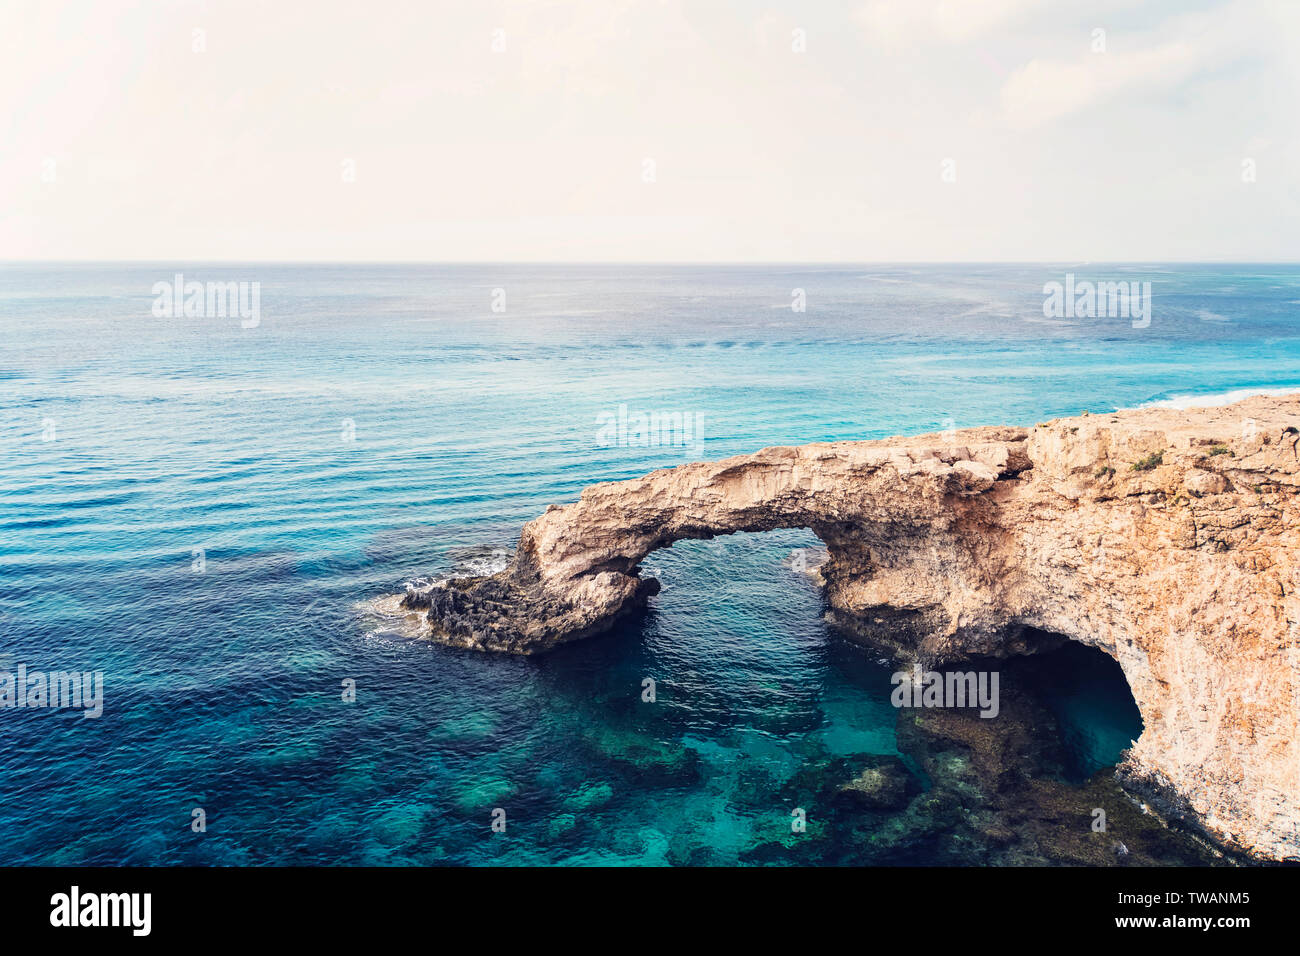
<point x="384" y="616"/>
<point x="1217" y="399"/>
<point x="484" y="564"/>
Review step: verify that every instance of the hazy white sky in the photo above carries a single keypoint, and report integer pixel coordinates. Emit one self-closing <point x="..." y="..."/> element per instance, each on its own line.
<point x="122" y="141"/>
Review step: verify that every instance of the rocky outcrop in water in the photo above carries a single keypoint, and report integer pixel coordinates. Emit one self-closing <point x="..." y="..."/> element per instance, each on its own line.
<point x="1166" y="538"/>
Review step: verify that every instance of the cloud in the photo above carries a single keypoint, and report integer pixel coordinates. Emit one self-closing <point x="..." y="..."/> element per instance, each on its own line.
<point x="536" y="153"/>
<point x="1044" y="90"/>
<point x="1137" y="66"/>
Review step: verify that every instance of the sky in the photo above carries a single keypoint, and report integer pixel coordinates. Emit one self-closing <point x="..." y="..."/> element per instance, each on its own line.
<point x="651" y="130"/>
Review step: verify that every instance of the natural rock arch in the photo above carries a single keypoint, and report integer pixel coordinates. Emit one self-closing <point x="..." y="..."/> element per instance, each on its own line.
<point x="1166" y="538"/>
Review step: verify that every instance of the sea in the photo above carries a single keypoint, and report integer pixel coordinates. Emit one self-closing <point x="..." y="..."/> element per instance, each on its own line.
<point x="209" y="509"/>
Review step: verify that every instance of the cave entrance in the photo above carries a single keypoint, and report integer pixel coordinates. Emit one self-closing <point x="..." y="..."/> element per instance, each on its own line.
<point x="1085" y="690"/>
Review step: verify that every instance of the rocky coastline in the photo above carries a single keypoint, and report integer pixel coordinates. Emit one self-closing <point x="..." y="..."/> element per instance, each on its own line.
<point x="1166" y="538"/>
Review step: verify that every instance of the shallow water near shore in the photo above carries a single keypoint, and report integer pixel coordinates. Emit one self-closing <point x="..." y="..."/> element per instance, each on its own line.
<point x="217" y="509"/>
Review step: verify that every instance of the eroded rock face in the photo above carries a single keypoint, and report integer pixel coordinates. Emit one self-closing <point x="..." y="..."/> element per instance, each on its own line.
<point x="1167" y="538"/>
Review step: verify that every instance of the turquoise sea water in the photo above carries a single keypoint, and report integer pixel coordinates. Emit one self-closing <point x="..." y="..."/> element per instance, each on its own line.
<point x="383" y="423"/>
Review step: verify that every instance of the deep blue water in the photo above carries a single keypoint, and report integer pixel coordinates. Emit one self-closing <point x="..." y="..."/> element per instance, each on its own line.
<point x="127" y="442"/>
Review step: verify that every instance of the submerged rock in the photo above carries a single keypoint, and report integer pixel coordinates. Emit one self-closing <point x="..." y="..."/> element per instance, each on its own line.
<point x="884" y="784"/>
<point x="591" y="796"/>
<point x="645" y="759"/>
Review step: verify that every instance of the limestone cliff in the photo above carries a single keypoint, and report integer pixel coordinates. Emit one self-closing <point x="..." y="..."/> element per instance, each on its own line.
<point x="1166" y="538"/>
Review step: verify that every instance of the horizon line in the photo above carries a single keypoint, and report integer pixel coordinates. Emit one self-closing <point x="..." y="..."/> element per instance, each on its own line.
<point x="653" y="262"/>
